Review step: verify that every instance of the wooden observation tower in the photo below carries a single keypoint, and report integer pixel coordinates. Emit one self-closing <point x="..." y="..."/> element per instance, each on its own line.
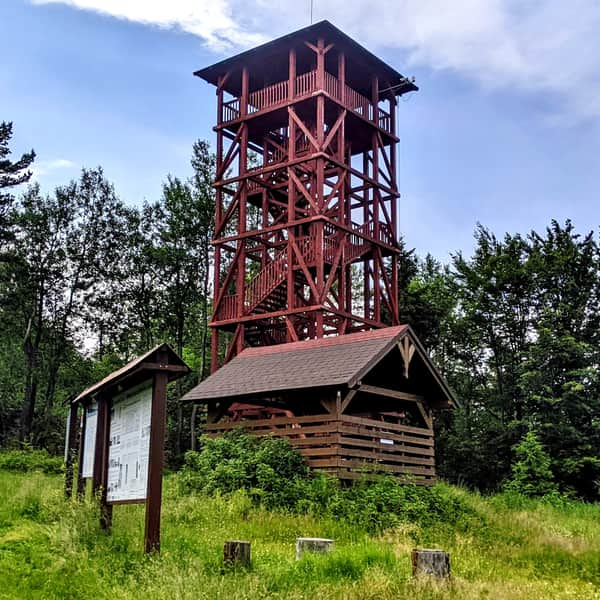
<point x="306" y="191"/>
<point x="306" y="253"/>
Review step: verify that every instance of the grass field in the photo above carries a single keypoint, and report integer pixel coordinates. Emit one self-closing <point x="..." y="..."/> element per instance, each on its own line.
<point x="50" y="548"/>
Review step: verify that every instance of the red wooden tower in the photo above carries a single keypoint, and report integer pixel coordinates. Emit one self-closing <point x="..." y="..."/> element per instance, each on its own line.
<point x="306" y="190"/>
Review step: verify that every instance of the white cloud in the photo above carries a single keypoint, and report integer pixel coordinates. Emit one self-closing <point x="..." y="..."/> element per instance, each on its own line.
<point x="546" y="47"/>
<point x="44" y="167"/>
<point x="211" y="20"/>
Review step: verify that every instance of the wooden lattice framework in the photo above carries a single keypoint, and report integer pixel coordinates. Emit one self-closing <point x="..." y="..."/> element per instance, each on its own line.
<point x="306" y="191"/>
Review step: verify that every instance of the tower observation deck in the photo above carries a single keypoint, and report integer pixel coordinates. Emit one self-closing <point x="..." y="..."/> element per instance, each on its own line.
<point x="306" y="238"/>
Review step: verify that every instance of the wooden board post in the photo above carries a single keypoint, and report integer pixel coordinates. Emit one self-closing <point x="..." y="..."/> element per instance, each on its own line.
<point x="434" y="563"/>
<point x="101" y="458"/>
<point x="156" y="461"/>
<point x="319" y="545"/>
<point x="236" y="553"/>
<point x="70" y="448"/>
<point x="80" y="478"/>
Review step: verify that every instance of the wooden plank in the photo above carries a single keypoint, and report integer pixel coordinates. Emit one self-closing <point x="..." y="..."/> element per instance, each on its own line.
<point x="80" y="479"/>
<point x="284" y="432"/>
<point x="351" y="441"/>
<point x="150" y="366"/>
<point x="117" y="502"/>
<point x="369" y="433"/>
<point x="323" y="463"/>
<point x="99" y="445"/>
<point x="358" y="464"/>
<point x="327" y="451"/>
<point x="315" y="441"/>
<point x="391" y="426"/>
<point x="104" y="429"/>
<point x="70" y="447"/>
<point x="373" y="458"/>
<point x="323" y="418"/>
<point x="381" y="457"/>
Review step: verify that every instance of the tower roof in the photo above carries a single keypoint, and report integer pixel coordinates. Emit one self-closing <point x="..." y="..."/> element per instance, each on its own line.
<point x="270" y="52"/>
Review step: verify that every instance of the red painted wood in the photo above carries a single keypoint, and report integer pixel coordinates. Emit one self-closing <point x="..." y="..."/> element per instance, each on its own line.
<point x="284" y="275"/>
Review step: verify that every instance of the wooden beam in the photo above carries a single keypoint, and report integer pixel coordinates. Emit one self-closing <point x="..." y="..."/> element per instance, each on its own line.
<point x="381" y="391"/>
<point x="291" y="330"/>
<point x="329" y="405"/>
<point x="216" y="411"/>
<point x="349" y="396"/>
<point x="164" y="367"/>
<point x="80" y="479"/>
<point x="307" y="133"/>
<point x="425" y="414"/>
<point x="407" y="350"/>
<point x="333" y="130"/>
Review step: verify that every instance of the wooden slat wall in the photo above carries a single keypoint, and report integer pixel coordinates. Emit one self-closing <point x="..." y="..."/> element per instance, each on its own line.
<point x="348" y="445"/>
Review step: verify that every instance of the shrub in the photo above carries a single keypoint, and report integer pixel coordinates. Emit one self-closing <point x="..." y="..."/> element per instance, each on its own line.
<point x="267" y="467"/>
<point x="531" y="474"/>
<point x="29" y="459"/>
<point x="275" y="476"/>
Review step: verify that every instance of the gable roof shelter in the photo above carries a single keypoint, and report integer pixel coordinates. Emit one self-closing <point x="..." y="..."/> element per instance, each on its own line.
<point x="359" y="401"/>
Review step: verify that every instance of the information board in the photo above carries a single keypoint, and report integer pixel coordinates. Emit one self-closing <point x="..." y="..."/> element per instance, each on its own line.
<point x="129" y="445"/>
<point x="89" y="440"/>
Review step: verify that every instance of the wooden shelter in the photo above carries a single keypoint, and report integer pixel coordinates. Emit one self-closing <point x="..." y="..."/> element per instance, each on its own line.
<point x="361" y="400"/>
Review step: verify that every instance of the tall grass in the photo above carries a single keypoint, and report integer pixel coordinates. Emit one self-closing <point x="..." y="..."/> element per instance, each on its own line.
<point x="506" y="547"/>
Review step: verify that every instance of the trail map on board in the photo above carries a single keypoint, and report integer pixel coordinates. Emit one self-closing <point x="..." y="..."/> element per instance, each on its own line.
<point x="89" y="440"/>
<point x="129" y="445"/>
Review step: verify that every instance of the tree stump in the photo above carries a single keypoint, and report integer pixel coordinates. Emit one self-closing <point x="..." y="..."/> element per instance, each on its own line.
<point x="435" y="563"/>
<point x="236" y="553"/>
<point x="312" y="545"/>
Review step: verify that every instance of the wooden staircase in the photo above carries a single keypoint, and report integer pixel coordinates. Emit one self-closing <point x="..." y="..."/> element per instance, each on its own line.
<point x="266" y="292"/>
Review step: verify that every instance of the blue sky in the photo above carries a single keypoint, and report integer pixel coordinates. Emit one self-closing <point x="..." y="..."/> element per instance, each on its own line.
<point x="505" y="130"/>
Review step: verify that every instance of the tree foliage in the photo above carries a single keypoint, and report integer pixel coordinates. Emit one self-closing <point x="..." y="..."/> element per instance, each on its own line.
<point x="523" y="353"/>
<point x="531" y="474"/>
<point x="88" y="281"/>
<point x="12" y="174"/>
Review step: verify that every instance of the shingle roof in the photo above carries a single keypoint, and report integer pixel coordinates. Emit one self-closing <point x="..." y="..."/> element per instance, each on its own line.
<point x="264" y="54"/>
<point x="330" y="361"/>
<point x="133" y="366"/>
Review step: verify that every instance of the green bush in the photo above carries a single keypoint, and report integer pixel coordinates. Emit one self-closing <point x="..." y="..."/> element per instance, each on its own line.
<point x="28" y="459"/>
<point x="268" y="468"/>
<point x="531" y="474"/>
<point x="275" y="476"/>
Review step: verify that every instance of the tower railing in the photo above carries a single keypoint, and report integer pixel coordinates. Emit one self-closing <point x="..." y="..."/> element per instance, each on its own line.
<point x="306" y="84"/>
